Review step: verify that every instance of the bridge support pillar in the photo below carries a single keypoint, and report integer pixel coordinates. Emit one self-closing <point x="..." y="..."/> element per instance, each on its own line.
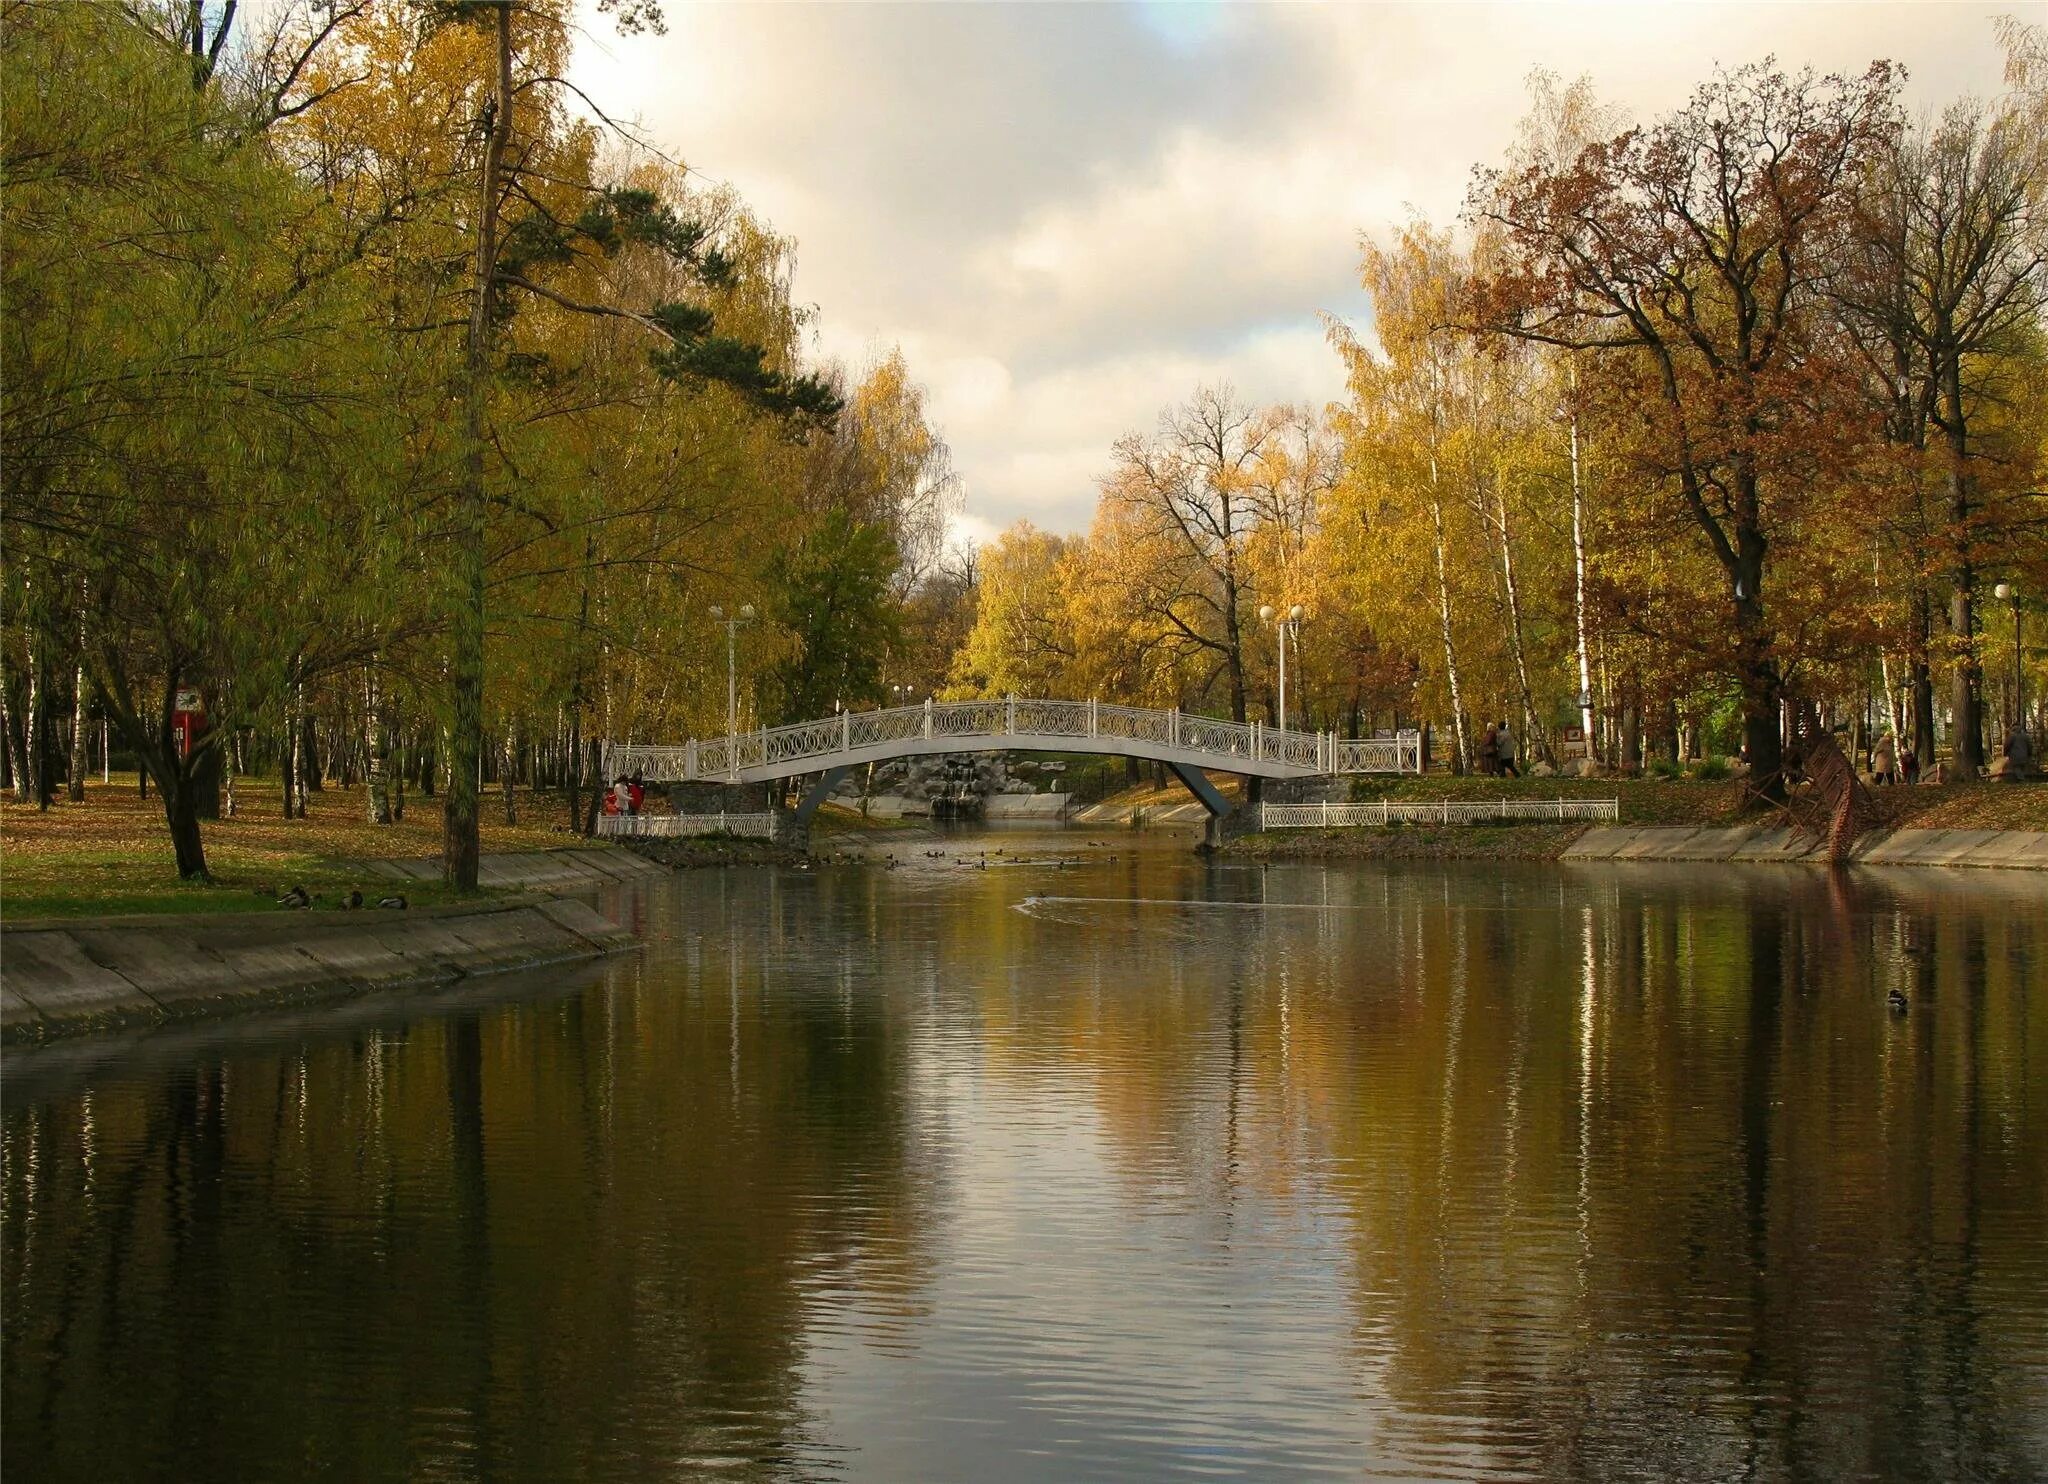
<point x="1220" y="809"/>
<point x="807" y="806"/>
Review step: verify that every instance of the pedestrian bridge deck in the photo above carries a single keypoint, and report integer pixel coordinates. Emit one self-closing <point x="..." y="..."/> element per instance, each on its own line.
<point x="853" y="738"/>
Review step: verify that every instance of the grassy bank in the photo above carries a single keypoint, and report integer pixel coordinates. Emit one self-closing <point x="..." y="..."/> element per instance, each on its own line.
<point x="1960" y="806"/>
<point x="1413" y="842"/>
<point x="835" y="819"/>
<point x="112" y="853"/>
<point x="1681" y="802"/>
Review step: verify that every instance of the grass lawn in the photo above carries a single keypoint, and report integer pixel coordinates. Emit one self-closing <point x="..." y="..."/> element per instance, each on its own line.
<point x="835" y="818"/>
<point x="112" y="853"/>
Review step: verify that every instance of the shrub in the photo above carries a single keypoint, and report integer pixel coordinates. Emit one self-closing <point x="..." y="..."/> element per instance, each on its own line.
<point x="1710" y="768"/>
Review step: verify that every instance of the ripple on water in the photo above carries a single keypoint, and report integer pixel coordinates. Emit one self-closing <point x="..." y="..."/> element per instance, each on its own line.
<point x="1123" y="1169"/>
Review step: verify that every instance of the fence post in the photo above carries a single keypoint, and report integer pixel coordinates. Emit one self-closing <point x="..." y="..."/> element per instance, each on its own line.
<point x="690" y="758"/>
<point x="1447" y="811"/>
<point x="1326" y="814"/>
<point x="846" y="731"/>
<point x="1091" y="716"/>
<point x="1255" y="741"/>
<point x="1010" y="715"/>
<point x="927" y="718"/>
<point x="1173" y="726"/>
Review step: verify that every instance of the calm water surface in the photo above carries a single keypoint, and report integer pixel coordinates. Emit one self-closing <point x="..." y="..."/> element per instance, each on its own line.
<point x="1136" y="1168"/>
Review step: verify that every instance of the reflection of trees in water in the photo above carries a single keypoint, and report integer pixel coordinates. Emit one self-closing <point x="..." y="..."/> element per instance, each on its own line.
<point x="572" y="1250"/>
<point x="1638" y="1175"/>
<point x="1751" y="1125"/>
<point x="1642" y="1175"/>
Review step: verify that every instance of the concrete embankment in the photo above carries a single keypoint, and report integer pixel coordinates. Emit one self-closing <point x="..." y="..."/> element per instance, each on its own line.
<point x="2026" y="849"/>
<point x="60" y="977"/>
<point x="500" y="870"/>
<point x="2010" y="849"/>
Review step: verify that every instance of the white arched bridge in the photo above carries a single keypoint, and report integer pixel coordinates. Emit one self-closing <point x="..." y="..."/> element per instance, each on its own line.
<point x="1188" y="745"/>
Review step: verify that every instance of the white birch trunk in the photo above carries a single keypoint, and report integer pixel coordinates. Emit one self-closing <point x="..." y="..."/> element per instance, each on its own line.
<point x="1579" y="585"/>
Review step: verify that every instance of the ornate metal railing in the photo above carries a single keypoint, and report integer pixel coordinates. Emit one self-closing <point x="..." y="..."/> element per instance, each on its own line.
<point x="1400" y="753"/>
<point x="671" y="826"/>
<point x="1442" y="811"/>
<point x="1030" y="724"/>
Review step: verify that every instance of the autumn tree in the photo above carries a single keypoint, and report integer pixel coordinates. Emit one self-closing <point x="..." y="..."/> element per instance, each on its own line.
<point x="1023" y="641"/>
<point x="1944" y="281"/>
<point x="1694" y="251"/>
<point x="1186" y="495"/>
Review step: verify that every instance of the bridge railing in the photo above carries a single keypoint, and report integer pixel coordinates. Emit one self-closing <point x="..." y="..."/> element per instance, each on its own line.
<point x="1400" y="753"/>
<point x="673" y="826"/>
<point x="1439" y="811"/>
<point x="713" y="758"/>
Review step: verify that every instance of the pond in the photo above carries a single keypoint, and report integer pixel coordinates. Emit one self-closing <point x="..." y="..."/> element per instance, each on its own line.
<point x="1045" y="1157"/>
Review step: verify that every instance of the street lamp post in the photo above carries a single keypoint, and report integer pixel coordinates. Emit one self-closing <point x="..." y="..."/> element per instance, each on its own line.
<point x="732" y="624"/>
<point x="2011" y="593"/>
<point x="1287" y="624"/>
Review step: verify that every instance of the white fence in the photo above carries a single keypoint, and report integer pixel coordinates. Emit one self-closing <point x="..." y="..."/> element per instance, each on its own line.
<point x="1445" y="811"/>
<point x="671" y="826"/>
<point x="1400" y="753"/>
<point x="1033" y="725"/>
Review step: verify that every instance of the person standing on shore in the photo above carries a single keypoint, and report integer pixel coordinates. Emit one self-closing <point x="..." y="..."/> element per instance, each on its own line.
<point x="1504" y="745"/>
<point x="1884" y="760"/>
<point x="1489" y="751"/>
<point x="2019" y="754"/>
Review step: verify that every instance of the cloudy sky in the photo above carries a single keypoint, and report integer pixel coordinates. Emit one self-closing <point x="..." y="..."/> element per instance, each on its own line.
<point x="1070" y="215"/>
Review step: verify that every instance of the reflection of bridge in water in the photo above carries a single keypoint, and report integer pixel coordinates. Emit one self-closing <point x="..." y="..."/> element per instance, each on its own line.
<point x="1190" y="746"/>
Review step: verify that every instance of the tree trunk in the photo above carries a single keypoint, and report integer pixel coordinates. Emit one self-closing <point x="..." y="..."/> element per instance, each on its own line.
<point x="1966" y="730"/>
<point x="1757" y="669"/>
<point x="396" y="767"/>
<point x="1233" y="635"/>
<point x="593" y="797"/>
<point x="1966" y="678"/>
<point x="1443" y="612"/>
<point x="1579" y="582"/>
<point x="460" y="846"/>
<point x="1534" y="733"/>
<point x="508" y="781"/>
<point x="1920" y="678"/>
<point x="376" y="748"/>
<point x="17" y="756"/>
<point x="35" y="786"/>
<point x="75" y="775"/>
<point x="313" y="774"/>
<point x="574" y="761"/>
<point x="181" y="813"/>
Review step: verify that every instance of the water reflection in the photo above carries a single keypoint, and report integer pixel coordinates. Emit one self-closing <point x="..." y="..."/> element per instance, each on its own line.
<point x="1144" y="1166"/>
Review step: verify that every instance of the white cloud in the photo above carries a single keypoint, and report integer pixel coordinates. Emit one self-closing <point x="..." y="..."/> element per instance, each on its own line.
<point x="1070" y="216"/>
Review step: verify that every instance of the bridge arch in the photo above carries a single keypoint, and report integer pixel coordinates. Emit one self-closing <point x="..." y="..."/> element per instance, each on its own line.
<point x="1189" y="745"/>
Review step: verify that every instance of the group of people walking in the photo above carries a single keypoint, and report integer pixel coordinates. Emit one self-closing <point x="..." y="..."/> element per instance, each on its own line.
<point x="1891" y="764"/>
<point x="626" y="795"/>
<point x="1497" y="752"/>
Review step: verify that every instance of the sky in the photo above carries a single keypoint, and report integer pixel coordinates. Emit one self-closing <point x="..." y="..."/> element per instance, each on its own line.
<point x="1070" y="216"/>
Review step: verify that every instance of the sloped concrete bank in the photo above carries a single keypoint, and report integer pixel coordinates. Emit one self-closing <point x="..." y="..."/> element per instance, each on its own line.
<point x="589" y="865"/>
<point x="2007" y="849"/>
<point x="61" y="977"/>
<point x="2024" y="849"/>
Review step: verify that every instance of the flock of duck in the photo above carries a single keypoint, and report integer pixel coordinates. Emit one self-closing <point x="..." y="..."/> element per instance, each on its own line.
<point x="979" y="860"/>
